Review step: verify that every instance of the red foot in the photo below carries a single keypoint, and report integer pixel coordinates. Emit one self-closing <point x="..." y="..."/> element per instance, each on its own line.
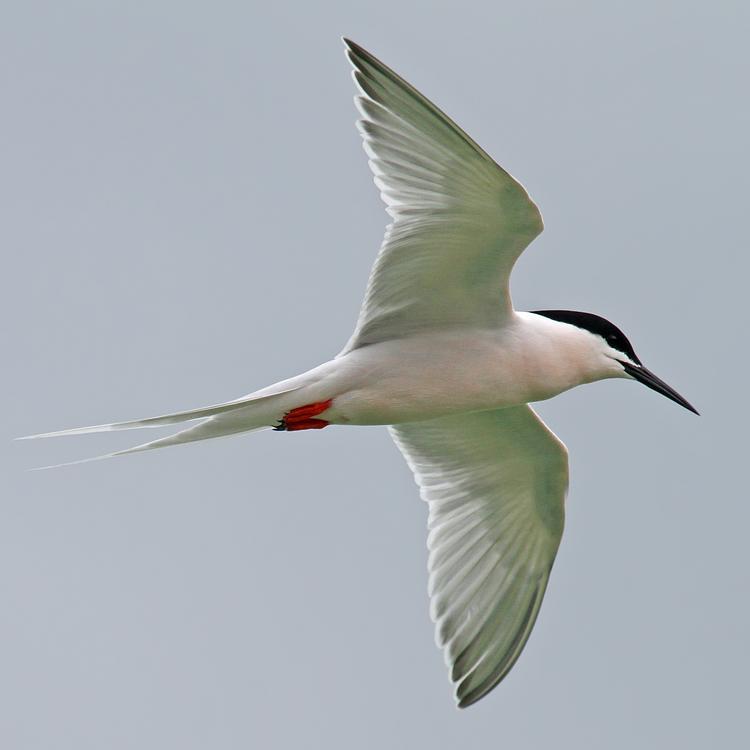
<point x="301" y="418"/>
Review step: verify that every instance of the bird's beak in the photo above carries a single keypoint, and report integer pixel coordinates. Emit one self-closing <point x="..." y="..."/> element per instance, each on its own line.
<point x="645" y="376"/>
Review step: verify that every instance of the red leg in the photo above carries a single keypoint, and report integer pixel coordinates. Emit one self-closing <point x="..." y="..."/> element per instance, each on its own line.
<point x="301" y="418"/>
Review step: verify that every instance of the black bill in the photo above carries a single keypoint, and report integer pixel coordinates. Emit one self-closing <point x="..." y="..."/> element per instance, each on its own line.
<point x="645" y="376"/>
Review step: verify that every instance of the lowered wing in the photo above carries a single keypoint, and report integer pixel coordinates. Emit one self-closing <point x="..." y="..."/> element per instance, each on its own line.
<point x="495" y="482"/>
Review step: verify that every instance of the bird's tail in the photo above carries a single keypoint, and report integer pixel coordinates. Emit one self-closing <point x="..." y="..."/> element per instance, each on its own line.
<point x="250" y="413"/>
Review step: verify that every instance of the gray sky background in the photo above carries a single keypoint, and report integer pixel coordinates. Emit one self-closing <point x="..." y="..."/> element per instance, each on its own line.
<point x="188" y="215"/>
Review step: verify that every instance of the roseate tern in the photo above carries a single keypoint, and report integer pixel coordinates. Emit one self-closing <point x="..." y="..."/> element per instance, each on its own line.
<point x="440" y="355"/>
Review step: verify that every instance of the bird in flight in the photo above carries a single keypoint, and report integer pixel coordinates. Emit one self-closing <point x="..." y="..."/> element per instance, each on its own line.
<point x="440" y="355"/>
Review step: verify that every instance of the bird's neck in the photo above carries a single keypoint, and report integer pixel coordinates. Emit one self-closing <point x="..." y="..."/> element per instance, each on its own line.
<point x="558" y="356"/>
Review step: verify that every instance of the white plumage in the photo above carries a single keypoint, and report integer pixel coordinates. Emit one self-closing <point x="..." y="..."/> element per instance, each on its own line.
<point x="440" y="354"/>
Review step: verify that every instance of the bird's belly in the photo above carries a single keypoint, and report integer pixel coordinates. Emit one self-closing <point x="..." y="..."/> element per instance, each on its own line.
<point x="409" y="383"/>
<point x="392" y="404"/>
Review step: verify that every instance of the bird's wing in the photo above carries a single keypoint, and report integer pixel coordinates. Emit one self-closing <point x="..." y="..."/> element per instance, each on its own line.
<point x="459" y="220"/>
<point x="495" y="482"/>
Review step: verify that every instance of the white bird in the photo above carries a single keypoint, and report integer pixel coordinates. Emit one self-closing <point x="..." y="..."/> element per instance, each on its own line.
<point x="440" y="355"/>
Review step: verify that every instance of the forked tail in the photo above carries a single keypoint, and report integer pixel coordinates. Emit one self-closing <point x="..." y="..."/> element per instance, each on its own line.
<point x="253" y="412"/>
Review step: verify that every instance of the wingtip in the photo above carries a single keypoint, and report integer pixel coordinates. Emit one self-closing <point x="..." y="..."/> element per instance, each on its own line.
<point x="356" y="51"/>
<point x="350" y="51"/>
<point x="464" y="700"/>
<point x="469" y="698"/>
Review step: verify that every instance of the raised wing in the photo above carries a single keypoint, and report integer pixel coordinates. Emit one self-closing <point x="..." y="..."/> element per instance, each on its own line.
<point x="459" y="220"/>
<point x="495" y="482"/>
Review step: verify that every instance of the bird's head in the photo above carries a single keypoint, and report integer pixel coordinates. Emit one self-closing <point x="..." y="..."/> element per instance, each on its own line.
<point x="615" y="352"/>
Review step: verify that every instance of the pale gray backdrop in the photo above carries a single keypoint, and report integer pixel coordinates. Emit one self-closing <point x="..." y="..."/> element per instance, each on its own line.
<point x="187" y="215"/>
